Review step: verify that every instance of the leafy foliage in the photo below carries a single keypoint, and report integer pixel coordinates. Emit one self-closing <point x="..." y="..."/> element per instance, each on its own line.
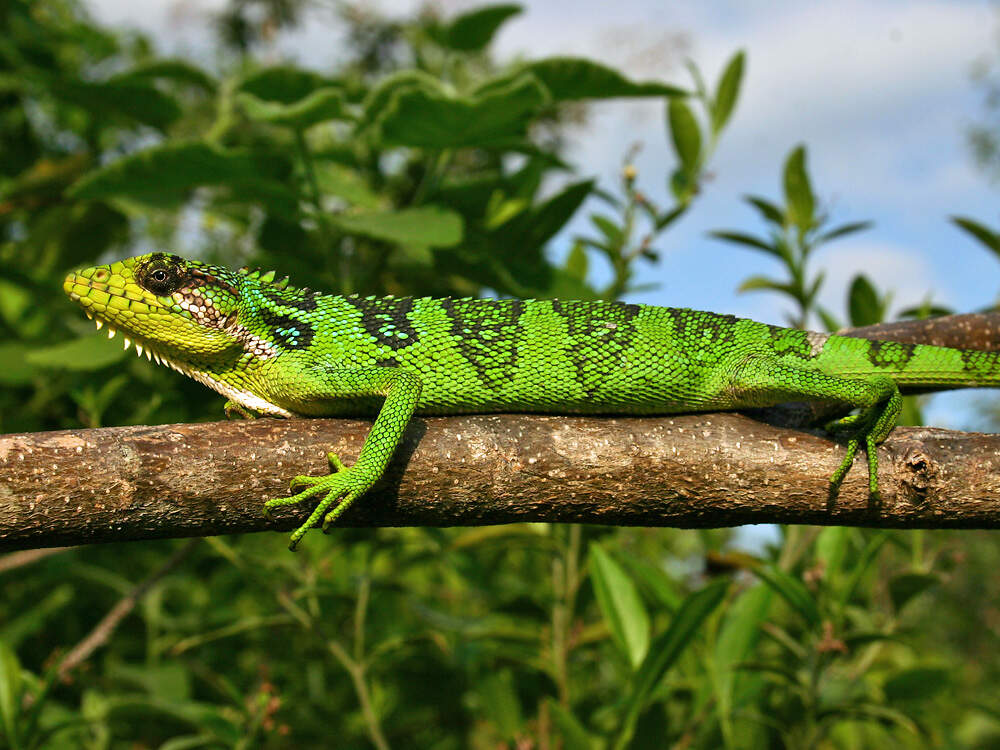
<point x="420" y="165"/>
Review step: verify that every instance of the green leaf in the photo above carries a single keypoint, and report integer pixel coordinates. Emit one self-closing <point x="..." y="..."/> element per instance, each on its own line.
<point x="499" y="211"/>
<point x="474" y="30"/>
<point x="798" y="191"/>
<point x="768" y="210"/>
<point x="577" y="262"/>
<point x="321" y="105"/>
<point x="569" y="78"/>
<point x="813" y="290"/>
<point x="90" y="353"/>
<point x="906" y="586"/>
<point x="830" y="322"/>
<point x="831" y="548"/>
<point x="669" y="217"/>
<point x="727" y="91"/>
<point x="924" y="310"/>
<point x="286" y="84"/>
<point x="170" y="682"/>
<point x="10" y="693"/>
<point x="684" y="133"/>
<point x="344" y="182"/>
<point x="419" y="116"/>
<point x="29" y="622"/>
<point x="655" y="582"/>
<point x="501" y="704"/>
<point x="381" y="94"/>
<point x="667" y="648"/>
<point x="176" y="70"/>
<point x="863" y="303"/>
<point x="424" y="225"/>
<point x="982" y="233"/>
<point x="530" y="230"/>
<point x="574" y="734"/>
<point x="792" y="590"/>
<point x="16" y="369"/>
<point x="736" y="640"/>
<point x="916" y="684"/>
<point x="611" y="231"/>
<point x="620" y="604"/>
<point x="167" y="174"/>
<point x="740" y="238"/>
<point x="843" y="230"/>
<point x="135" y="99"/>
<point x="860" y="567"/>
<point x="741" y="626"/>
<point x="875" y="714"/>
<point x="859" y="639"/>
<point x="189" y="742"/>
<point x="762" y="283"/>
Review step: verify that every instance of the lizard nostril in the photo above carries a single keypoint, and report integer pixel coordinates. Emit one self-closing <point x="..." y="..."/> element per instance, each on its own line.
<point x="100" y="275"/>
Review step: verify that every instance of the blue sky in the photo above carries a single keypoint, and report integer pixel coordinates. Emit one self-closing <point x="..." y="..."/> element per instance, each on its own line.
<point x="879" y="91"/>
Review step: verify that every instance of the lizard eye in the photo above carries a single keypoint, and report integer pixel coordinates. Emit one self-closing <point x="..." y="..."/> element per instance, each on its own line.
<point x="162" y="279"/>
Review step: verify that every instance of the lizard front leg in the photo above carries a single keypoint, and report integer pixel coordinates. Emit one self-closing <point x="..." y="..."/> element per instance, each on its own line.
<point x="345" y="484"/>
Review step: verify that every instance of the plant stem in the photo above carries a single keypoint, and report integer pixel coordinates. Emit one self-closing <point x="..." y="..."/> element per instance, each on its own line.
<point x="566" y="581"/>
<point x="327" y="245"/>
<point x="357" y="672"/>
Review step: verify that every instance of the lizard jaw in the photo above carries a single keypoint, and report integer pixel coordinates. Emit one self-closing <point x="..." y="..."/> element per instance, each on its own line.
<point x="243" y="398"/>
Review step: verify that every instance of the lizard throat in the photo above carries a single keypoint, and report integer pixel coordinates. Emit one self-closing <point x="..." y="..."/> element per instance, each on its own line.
<point x="237" y="395"/>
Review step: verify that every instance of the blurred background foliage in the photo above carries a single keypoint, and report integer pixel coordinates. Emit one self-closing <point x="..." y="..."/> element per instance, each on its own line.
<point x="422" y="165"/>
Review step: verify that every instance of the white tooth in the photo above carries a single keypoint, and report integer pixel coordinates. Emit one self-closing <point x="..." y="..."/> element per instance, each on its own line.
<point x="149" y="355"/>
<point x="111" y="332"/>
<point x="88" y="315"/>
<point x="127" y="342"/>
<point x="157" y="358"/>
<point x="99" y="323"/>
<point x="138" y="349"/>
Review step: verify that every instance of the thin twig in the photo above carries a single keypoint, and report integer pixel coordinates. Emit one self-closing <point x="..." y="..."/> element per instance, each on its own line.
<point x="104" y="629"/>
<point x="27" y="557"/>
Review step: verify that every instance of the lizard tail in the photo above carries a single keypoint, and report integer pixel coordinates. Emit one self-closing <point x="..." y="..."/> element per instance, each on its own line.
<point x="914" y="365"/>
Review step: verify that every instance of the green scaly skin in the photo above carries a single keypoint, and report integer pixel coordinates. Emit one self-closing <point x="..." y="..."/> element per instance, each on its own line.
<point x="285" y="352"/>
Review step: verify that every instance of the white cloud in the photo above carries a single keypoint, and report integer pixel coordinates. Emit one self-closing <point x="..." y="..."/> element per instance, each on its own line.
<point x="878" y="89"/>
<point x="910" y="278"/>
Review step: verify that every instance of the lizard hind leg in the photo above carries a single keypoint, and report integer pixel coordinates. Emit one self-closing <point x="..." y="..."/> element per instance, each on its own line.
<point x="871" y="425"/>
<point x="767" y="380"/>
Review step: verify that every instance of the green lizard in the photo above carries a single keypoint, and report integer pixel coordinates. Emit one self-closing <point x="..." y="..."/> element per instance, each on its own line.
<point x="284" y="352"/>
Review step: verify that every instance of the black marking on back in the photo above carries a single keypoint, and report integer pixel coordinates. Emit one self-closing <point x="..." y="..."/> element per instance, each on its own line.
<point x="699" y="328"/>
<point x="599" y="334"/>
<point x="486" y="334"/>
<point x="795" y="343"/>
<point x="969" y="357"/>
<point x="387" y="320"/>
<point x="890" y="354"/>
<point x="292" y="298"/>
<point x="287" y="331"/>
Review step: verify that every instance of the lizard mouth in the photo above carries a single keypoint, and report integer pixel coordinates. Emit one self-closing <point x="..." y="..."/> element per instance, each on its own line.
<point x="114" y="305"/>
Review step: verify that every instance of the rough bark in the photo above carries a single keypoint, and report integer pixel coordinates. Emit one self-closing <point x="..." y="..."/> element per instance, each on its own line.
<point x="114" y="484"/>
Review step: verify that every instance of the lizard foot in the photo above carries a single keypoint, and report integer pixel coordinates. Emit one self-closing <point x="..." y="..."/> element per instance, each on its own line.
<point x="343" y="486"/>
<point x="866" y="434"/>
<point x="235" y="411"/>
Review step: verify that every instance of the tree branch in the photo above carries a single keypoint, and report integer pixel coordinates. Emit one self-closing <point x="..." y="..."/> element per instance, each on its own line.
<point x="123" y="483"/>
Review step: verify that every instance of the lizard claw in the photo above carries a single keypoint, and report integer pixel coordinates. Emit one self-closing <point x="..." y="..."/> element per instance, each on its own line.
<point x="340" y="489"/>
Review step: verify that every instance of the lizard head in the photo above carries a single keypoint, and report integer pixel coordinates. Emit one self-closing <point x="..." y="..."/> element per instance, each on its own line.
<point x="179" y="309"/>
